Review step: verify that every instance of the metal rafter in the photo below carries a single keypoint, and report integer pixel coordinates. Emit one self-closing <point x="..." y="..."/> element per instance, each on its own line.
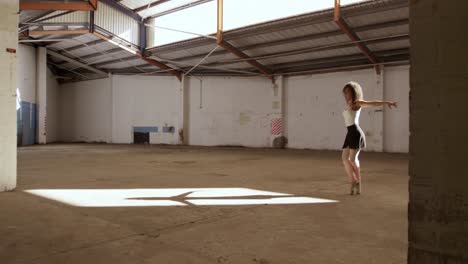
<point x="353" y="36"/>
<point x="73" y="61"/>
<point x="309" y="37"/>
<point x="58" y="32"/>
<point x="245" y="58"/>
<point x="234" y="50"/>
<point x="76" y="6"/>
<point x="156" y="63"/>
<point x="296" y="52"/>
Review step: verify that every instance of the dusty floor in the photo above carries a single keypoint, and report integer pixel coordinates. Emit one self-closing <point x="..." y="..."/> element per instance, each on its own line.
<point x="370" y="228"/>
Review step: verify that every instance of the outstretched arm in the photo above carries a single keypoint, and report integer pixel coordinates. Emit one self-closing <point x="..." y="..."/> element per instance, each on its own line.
<point x="376" y="103"/>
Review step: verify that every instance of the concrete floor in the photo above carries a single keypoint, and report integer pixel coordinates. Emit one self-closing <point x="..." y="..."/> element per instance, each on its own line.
<point x="371" y="228"/>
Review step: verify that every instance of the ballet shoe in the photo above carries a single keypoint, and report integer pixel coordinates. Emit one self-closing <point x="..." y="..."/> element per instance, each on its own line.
<point x="358" y="188"/>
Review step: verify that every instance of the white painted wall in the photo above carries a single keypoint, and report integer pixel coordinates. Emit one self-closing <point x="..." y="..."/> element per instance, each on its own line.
<point x="27" y="73"/>
<point x="145" y="101"/>
<point x="29" y="86"/>
<point x="52" y="108"/>
<point x="315" y="105"/>
<point x="8" y="40"/>
<point x="396" y="121"/>
<point x="235" y="110"/>
<point x="230" y="111"/>
<point x="85" y="111"/>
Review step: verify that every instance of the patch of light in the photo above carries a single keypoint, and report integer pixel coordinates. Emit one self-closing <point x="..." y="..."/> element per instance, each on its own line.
<point x="18" y="99"/>
<point x="232" y="192"/>
<point x="281" y="200"/>
<point x="170" y="197"/>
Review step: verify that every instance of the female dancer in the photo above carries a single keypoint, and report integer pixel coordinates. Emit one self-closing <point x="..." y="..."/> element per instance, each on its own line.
<point x="355" y="139"/>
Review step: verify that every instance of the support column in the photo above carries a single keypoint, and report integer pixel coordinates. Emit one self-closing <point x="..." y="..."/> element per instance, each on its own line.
<point x="112" y="116"/>
<point x="8" y="46"/>
<point x="438" y="187"/>
<point x="41" y="94"/>
<point x="376" y="139"/>
<point x="277" y="117"/>
<point x="184" y="108"/>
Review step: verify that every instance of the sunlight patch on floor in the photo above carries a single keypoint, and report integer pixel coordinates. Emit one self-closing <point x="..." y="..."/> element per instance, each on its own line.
<point x="171" y="197"/>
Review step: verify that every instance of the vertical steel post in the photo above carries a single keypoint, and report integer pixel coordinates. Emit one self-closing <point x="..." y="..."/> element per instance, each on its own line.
<point x="219" y="31"/>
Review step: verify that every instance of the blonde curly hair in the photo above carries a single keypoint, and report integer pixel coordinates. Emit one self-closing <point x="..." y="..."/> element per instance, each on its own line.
<point x="358" y="95"/>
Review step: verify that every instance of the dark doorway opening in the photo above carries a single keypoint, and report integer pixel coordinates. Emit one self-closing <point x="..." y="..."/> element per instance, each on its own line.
<point x="141" y="137"/>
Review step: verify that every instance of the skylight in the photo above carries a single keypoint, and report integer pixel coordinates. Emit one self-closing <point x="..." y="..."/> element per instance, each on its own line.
<point x="201" y="19"/>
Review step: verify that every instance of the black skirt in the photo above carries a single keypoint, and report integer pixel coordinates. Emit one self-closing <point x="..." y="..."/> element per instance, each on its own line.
<point x="355" y="138"/>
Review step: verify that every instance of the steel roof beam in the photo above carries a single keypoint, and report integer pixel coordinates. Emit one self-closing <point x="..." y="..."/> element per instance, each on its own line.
<point x="353" y="36"/>
<point x="297" y="52"/>
<point x="73" y="61"/>
<point x="314" y="36"/>
<point x="75" y="6"/>
<point x="156" y="63"/>
<point x="247" y="59"/>
<point x="58" y="32"/>
<point x="225" y="45"/>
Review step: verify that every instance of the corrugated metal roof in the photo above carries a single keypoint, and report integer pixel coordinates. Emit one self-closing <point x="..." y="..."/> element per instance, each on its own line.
<point x="66" y="16"/>
<point x="298" y="43"/>
<point x="118" y="23"/>
<point x="27" y="15"/>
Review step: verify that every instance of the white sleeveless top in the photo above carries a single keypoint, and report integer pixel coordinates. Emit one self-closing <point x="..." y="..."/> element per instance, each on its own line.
<point x="351" y="117"/>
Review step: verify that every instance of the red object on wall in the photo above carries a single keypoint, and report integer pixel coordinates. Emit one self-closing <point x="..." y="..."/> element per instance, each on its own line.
<point x="276" y="126"/>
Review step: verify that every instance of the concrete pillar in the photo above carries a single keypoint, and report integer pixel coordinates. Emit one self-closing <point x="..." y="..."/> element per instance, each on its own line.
<point x="41" y="94"/>
<point x="112" y="118"/>
<point x="277" y="124"/>
<point x="8" y="47"/>
<point x="184" y="109"/>
<point x="377" y="115"/>
<point x="438" y="187"/>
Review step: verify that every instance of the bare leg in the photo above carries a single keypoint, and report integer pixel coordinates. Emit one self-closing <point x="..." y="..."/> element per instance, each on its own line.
<point x="356" y="166"/>
<point x="348" y="167"/>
